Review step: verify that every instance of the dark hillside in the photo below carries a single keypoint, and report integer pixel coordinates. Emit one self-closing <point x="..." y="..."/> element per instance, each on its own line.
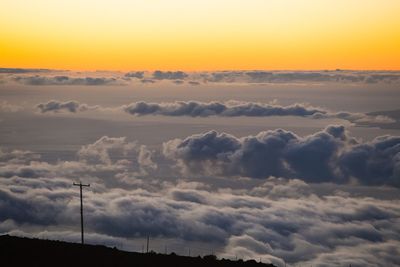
<point x="16" y="251"/>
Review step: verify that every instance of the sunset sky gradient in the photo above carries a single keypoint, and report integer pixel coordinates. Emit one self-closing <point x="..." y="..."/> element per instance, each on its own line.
<point x="200" y="35"/>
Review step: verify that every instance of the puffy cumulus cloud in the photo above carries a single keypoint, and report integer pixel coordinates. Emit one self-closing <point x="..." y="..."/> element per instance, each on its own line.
<point x="135" y="74"/>
<point x="169" y="75"/>
<point x="250" y="109"/>
<point x="67" y="106"/>
<point x="111" y="160"/>
<point x="17" y="156"/>
<point x="117" y="151"/>
<point x="126" y="159"/>
<point x="107" y="148"/>
<point x="66" y="80"/>
<point x="326" y="156"/>
<point x="373" y="161"/>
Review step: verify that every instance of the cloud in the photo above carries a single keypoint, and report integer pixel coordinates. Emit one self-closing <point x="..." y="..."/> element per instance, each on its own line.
<point x="20" y="70"/>
<point x="17" y="156"/>
<point x="68" y="106"/>
<point x="345" y="76"/>
<point x="65" y="80"/>
<point x="196" y="78"/>
<point x="249" y="109"/>
<point x="326" y="156"/>
<point x="106" y="148"/>
<point x="227" y="109"/>
<point x="147" y="81"/>
<point x="178" y="82"/>
<point x="194" y="83"/>
<point x="223" y="109"/>
<point x="169" y="75"/>
<point x="115" y="151"/>
<point x="135" y="74"/>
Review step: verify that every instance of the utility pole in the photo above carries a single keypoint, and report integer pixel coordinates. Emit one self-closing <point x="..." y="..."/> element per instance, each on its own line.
<point x="147" y="248"/>
<point x="80" y="189"/>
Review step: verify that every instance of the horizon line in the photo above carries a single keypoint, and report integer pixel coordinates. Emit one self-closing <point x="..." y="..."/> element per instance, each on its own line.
<point x="186" y="70"/>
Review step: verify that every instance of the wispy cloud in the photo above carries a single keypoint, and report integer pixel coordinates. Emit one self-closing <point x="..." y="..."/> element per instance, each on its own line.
<point x="65" y="80"/>
<point x="21" y="70"/>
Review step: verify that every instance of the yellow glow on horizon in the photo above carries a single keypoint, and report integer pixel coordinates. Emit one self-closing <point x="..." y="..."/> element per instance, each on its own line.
<point x="200" y="34"/>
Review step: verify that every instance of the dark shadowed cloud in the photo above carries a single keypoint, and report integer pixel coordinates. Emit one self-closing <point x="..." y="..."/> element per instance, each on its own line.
<point x="222" y="109"/>
<point x="68" y="106"/>
<point x="326" y="156"/>
<point x="249" y="109"/>
<point x="169" y="75"/>
<point x="135" y="74"/>
<point x="147" y="81"/>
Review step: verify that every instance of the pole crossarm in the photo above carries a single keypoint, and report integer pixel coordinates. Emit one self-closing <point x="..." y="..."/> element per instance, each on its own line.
<point x="80" y="184"/>
<point x="80" y="190"/>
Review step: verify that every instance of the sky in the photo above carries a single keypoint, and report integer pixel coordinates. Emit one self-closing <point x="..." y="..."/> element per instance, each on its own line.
<point x="200" y="35"/>
<point x="266" y="130"/>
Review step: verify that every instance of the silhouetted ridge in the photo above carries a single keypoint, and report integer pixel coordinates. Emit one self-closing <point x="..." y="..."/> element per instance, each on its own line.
<point x="17" y="251"/>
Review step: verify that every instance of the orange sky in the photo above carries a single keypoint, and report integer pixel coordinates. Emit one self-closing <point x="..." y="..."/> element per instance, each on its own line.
<point x="200" y="34"/>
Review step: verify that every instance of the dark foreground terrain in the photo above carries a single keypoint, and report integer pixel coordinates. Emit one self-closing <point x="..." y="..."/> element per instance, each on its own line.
<point x="17" y="251"/>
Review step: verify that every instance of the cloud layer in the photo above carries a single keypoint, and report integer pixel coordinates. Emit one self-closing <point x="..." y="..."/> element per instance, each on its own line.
<point x="345" y="76"/>
<point x="278" y="219"/>
<point x="53" y="77"/>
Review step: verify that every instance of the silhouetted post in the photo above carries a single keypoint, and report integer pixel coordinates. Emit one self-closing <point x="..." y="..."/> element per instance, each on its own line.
<point x="147" y="248"/>
<point x="80" y="189"/>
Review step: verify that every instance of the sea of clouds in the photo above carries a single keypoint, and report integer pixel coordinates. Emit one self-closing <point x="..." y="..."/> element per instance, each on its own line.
<point x="275" y="195"/>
